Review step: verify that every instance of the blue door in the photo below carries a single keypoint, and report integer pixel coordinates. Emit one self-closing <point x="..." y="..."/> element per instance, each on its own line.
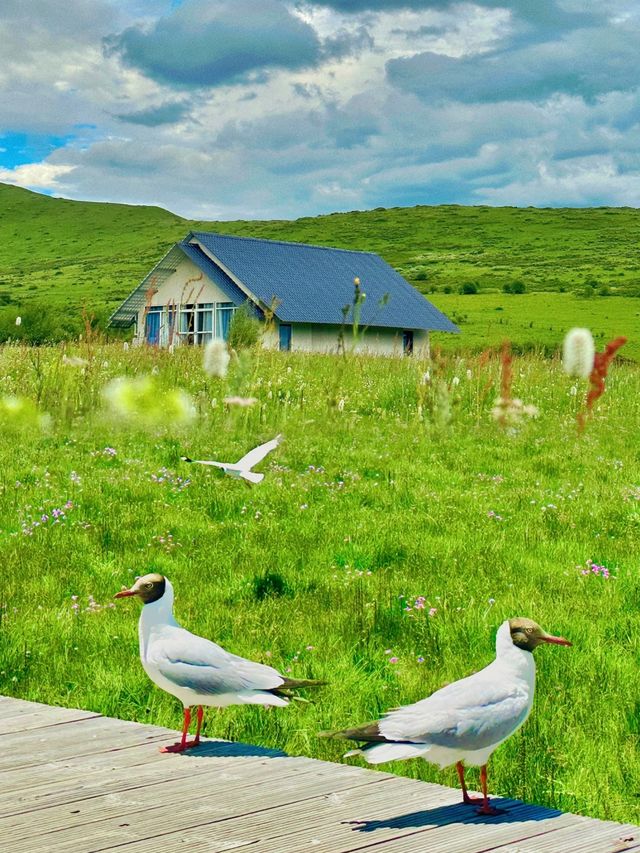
<point x="152" y="328"/>
<point x="285" y="337"/>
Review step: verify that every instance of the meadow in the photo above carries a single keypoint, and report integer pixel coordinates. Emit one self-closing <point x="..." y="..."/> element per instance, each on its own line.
<point x="397" y="526"/>
<point x="72" y="254"/>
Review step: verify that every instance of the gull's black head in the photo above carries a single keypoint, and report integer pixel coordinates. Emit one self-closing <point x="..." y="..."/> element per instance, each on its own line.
<point x="148" y="588"/>
<point x="527" y="634"/>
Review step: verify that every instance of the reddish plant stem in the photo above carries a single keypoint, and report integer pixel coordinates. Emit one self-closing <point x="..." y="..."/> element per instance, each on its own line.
<point x="601" y="363"/>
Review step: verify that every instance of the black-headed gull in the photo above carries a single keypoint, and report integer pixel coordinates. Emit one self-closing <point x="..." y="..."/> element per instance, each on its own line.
<point x="464" y="722"/>
<point x="197" y="671"/>
<point x="242" y="468"/>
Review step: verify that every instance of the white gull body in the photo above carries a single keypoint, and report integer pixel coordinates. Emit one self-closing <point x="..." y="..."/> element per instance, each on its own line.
<point x="242" y="468"/>
<point x="464" y="721"/>
<point x="198" y="671"/>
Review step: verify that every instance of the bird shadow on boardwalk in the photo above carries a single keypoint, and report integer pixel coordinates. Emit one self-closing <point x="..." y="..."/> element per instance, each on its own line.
<point x="457" y="813"/>
<point x="228" y="749"/>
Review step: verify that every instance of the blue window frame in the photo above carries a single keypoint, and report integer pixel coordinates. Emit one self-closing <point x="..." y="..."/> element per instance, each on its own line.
<point x="285" y="337"/>
<point x="224" y="313"/>
<point x="152" y="325"/>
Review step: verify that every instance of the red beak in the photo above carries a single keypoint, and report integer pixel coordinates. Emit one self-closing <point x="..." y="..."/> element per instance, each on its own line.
<point x="125" y="593"/>
<point x="558" y="641"/>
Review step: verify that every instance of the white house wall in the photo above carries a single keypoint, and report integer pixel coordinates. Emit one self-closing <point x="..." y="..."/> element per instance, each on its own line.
<point x="188" y="284"/>
<point x="308" y="337"/>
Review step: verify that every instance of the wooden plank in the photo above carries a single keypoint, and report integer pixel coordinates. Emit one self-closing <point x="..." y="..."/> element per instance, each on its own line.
<point x="82" y="827"/>
<point x="75" y="782"/>
<point x="40" y="719"/>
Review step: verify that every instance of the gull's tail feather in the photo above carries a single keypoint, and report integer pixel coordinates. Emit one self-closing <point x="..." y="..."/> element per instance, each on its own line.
<point x="369" y="732"/>
<point x="292" y="684"/>
<point x="378" y="753"/>
<point x="251" y="476"/>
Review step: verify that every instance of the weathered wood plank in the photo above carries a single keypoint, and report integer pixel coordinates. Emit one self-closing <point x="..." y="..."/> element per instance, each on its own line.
<point x="75" y="782"/>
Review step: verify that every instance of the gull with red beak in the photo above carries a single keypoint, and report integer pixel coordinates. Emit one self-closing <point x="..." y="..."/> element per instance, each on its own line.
<point x="464" y="722"/>
<point x="195" y="670"/>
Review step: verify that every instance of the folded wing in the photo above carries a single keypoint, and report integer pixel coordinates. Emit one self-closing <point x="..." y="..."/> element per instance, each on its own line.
<point x="200" y="665"/>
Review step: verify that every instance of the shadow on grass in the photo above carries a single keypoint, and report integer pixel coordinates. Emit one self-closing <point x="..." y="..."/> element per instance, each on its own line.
<point x="514" y="812"/>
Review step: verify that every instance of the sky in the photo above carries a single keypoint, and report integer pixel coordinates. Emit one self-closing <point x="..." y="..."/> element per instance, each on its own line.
<point x="262" y="109"/>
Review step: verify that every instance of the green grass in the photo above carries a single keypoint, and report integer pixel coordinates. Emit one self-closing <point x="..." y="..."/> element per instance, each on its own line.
<point x="372" y="500"/>
<point x="90" y="254"/>
<point x="536" y="320"/>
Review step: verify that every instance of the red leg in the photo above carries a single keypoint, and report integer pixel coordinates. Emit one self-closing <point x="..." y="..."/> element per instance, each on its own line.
<point x="183" y="744"/>
<point x="199" y="716"/>
<point x="486" y="808"/>
<point x="465" y="795"/>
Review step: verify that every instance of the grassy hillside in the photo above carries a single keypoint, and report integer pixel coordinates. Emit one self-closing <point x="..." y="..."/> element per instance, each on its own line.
<point x="81" y="253"/>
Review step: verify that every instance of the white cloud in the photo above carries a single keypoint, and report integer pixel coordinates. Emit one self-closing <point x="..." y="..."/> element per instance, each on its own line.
<point x="35" y="175"/>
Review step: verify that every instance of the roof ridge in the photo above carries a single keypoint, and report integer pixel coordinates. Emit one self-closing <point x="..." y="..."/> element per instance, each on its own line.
<point x="281" y="242"/>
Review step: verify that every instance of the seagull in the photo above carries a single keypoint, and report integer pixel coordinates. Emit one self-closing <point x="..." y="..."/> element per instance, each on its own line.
<point x="464" y="722"/>
<point x="195" y="670"/>
<point x="242" y="468"/>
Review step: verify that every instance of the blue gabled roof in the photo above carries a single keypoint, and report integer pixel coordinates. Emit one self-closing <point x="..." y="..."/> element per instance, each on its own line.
<point x="213" y="272"/>
<point x="313" y="284"/>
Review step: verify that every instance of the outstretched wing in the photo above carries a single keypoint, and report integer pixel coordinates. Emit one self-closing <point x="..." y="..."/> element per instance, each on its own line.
<point x="200" y="665"/>
<point x="470" y="714"/>
<point x="204" y="462"/>
<point x="258" y="453"/>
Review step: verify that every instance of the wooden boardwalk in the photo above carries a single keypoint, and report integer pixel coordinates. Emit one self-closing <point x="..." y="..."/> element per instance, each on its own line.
<point x="77" y="782"/>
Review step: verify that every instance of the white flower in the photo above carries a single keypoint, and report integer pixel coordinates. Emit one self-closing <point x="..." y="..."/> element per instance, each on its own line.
<point x="74" y="361"/>
<point x="125" y="346"/>
<point x="216" y="358"/>
<point x="455" y="381"/>
<point x="578" y="352"/>
<point x="243" y="402"/>
<point x="18" y="321"/>
<point x="469" y="375"/>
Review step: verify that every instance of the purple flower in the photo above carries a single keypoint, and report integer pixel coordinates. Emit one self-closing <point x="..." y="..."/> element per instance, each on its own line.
<point x="420" y="659"/>
<point x="393" y="660"/>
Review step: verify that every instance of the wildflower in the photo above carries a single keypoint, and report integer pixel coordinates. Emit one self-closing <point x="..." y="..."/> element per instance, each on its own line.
<point x="125" y="346"/>
<point x="243" y="402"/>
<point x="216" y="358"/>
<point x="469" y="375"/>
<point x="420" y="659"/>
<point x="455" y="381"/>
<point x="393" y="659"/>
<point x="341" y="405"/>
<point x="492" y="601"/>
<point x="578" y="353"/>
<point x="512" y="411"/>
<point x="74" y="361"/>
<point x="597" y="376"/>
<point x="388" y="651"/>
<point x="74" y="477"/>
<point x="18" y="321"/>
<point x="433" y="611"/>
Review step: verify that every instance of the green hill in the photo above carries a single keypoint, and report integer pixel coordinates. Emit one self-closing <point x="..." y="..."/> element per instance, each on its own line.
<point x="75" y="253"/>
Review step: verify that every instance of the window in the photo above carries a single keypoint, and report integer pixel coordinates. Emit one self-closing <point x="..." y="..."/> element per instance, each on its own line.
<point x="187" y="325"/>
<point x="224" y="313"/>
<point x="204" y="322"/>
<point x="407" y="342"/>
<point x="285" y="337"/>
<point x="152" y="325"/>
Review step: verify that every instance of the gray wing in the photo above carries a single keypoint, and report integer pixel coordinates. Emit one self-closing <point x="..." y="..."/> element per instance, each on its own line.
<point x="474" y="713"/>
<point x="198" y="664"/>
<point x="258" y="453"/>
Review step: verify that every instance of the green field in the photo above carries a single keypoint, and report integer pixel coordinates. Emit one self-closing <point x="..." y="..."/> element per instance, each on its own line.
<point x="77" y="254"/>
<point x="389" y="486"/>
<point x="536" y="321"/>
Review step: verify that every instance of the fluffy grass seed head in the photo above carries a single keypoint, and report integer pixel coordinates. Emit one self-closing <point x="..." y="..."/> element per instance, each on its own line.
<point x="140" y="399"/>
<point x="18" y="321"/>
<point x="578" y="353"/>
<point x="215" y="359"/>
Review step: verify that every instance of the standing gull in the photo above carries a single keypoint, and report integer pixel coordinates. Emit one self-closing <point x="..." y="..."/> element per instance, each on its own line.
<point x="464" y="722"/>
<point x="242" y="468"/>
<point x="197" y="671"/>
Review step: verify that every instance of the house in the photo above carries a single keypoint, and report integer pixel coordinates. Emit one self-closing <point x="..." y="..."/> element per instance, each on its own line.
<point x="307" y="292"/>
